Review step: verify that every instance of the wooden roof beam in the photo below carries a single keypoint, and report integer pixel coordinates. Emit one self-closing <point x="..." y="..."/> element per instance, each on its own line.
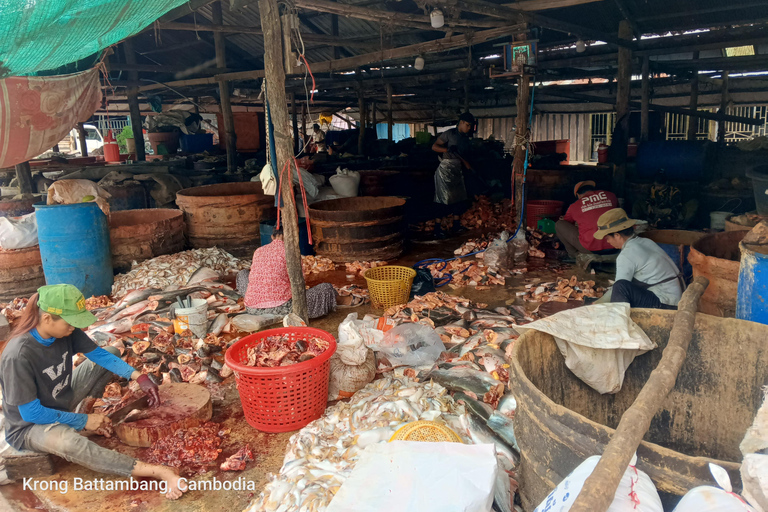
<point x="391" y="18"/>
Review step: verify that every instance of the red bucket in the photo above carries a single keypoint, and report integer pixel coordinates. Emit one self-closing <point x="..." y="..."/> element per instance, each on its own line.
<point x="537" y="210"/>
<point x="284" y="398"/>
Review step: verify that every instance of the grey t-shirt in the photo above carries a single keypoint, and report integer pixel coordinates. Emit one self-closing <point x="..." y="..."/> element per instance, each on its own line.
<point x="644" y="260"/>
<point x="453" y="137"/>
<point x="30" y="370"/>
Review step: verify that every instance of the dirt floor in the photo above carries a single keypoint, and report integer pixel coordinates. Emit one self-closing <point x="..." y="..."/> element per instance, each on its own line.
<point x="269" y="449"/>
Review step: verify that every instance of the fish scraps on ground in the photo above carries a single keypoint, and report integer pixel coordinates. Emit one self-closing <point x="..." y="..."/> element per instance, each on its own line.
<point x="238" y="460"/>
<point x="562" y="291"/>
<point x="483" y="214"/>
<point x="359" y="294"/>
<point x="359" y="267"/>
<point x="98" y="302"/>
<point x="282" y="350"/>
<point x="316" y="264"/>
<point x="176" y="269"/>
<point x="192" y="450"/>
<point x="14" y="309"/>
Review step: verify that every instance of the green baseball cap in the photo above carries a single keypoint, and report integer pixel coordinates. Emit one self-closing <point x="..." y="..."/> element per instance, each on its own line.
<point x="67" y="302"/>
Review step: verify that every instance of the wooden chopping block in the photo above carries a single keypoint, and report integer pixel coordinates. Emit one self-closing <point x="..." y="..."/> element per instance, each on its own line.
<point x="28" y="464"/>
<point x="182" y="405"/>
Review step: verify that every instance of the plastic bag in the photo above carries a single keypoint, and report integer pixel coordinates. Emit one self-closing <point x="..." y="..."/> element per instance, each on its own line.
<point x="421" y="477"/>
<point x="713" y="499"/>
<point x="600" y="361"/>
<point x="635" y="493"/>
<point x="496" y="257"/>
<point x="18" y="232"/>
<point x="78" y="191"/>
<point x="410" y="345"/>
<point x="268" y="181"/>
<point x="754" y="480"/>
<point x="254" y="323"/>
<point x="423" y="283"/>
<point x="351" y="347"/>
<point x="519" y="251"/>
<point x="347" y="379"/>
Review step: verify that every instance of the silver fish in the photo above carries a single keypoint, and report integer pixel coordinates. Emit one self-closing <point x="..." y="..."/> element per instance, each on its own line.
<point x="218" y="324"/>
<point x="481" y="434"/>
<point x="118" y="327"/>
<point x="489" y="323"/>
<point x="202" y="274"/>
<point x="472" y="343"/>
<point x="132" y="310"/>
<point x="479" y="408"/>
<point x="503" y="427"/>
<point x="507" y="405"/>
<point x="137" y="296"/>
<point x="464" y="379"/>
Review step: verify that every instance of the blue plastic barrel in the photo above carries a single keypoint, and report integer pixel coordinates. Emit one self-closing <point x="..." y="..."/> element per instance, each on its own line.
<point x="267" y="227"/>
<point x="74" y="245"/>
<point x="752" y="297"/>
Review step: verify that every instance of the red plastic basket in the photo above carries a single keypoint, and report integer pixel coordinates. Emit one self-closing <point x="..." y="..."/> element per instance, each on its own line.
<point x="537" y="210"/>
<point x="284" y="398"/>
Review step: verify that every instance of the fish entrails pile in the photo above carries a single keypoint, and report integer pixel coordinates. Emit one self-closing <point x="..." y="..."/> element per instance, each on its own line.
<point x="281" y="350"/>
<point x="175" y="269"/>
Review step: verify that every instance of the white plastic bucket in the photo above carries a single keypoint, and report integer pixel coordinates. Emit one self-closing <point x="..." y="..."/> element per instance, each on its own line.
<point x="717" y="220"/>
<point x="195" y="318"/>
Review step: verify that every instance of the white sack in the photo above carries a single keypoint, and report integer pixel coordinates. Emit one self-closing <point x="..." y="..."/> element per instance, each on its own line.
<point x="713" y="499"/>
<point x="754" y="480"/>
<point x="18" y="232"/>
<point x="351" y="347"/>
<point x="411" y="476"/>
<point x="268" y="181"/>
<point x="756" y="438"/>
<point x="74" y="191"/>
<point x="598" y="342"/>
<point x="635" y="493"/>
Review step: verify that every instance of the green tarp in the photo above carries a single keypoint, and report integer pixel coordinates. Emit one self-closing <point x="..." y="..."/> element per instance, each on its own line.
<point x="40" y="35"/>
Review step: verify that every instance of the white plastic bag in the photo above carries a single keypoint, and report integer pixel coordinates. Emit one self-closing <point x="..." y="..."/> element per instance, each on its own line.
<point x="635" y="493"/>
<point x="351" y="347"/>
<point x="410" y="345"/>
<point x="598" y="342"/>
<point x="345" y="182"/>
<point x="78" y="191"/>
<point x="713" y="499"/>
<point x="754" y="480"/>
<point x="496" y="256"/>
<point x="419" y="477"/>
<point x="18" y="232"/>
<point x="268" y="181"/>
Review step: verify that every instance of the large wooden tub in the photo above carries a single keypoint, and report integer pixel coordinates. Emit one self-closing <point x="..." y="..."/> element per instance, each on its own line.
<point x="560" y="421"/>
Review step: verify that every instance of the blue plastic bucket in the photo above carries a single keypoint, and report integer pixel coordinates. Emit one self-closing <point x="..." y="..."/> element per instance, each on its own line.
<point x="74" y="246"/>
<point x="752" y="296"/>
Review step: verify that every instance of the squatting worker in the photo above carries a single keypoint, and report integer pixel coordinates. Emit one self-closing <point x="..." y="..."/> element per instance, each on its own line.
<point x="267" y="288"/>
<point x="646" y="277"/>
<point x="577" y="227"/>
<point x="452" y="146"/>
<point x="40" y="388"/>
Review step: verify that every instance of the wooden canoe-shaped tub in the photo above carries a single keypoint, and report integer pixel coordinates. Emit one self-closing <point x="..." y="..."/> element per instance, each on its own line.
<point x="560" y="421"/>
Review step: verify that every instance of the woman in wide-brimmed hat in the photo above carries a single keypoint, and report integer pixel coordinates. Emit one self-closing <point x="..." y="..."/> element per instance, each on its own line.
<point x="646" y="277"/>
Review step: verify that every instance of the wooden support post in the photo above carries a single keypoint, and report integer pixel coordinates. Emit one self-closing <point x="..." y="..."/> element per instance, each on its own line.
<point x="645" y="101"/>
<point x="335" y="34"/>
<point x="286" y="20"/>
<point x="723" y="107"/>
<point x="81" y="137"/>
<point x="363" y="115"/>
<point x="226" y="105"/>
<point x="373" y="114"/>
<point x="275" y="76"/>
<point x="623" y="90"/>
<point x="133" y="102"/>
<point x="521" y="135"/>
<point x="389" y="112"/>
<point x="295" y="120"/>
<point x="24" y="177"/>
<point x="693" y="122"/>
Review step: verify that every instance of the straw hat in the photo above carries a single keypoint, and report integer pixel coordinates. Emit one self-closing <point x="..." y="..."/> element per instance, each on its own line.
<point x="582" y="184"/>
<point x="613" y="221"/>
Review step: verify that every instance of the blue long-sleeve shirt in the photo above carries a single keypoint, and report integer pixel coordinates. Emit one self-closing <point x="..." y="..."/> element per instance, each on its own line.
<point x="35" y="412"/>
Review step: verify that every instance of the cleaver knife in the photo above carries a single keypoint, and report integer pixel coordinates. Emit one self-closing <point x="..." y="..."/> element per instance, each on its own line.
<point x="120" y="414"/>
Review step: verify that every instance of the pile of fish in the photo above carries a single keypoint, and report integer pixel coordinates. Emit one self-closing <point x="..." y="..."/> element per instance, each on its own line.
<point x="466" y="273"/>
<point x="445" y="224"/>
<point x="282" y="350"/>
<point x="562" y="291"/>
<point x="358" y="267"/>
<point x="359" y="294"/>
<point x="13" y="310"/>
<point x="483" y="214"/>
<point x="238" y="460"/>
<point x="474" y="244"/>
<point x="175" y="269"/>
<point x="98" y="302"/>
<point x="538" y="241"/>
<point x="316" y="264"/>
<point x="322" y="455"/>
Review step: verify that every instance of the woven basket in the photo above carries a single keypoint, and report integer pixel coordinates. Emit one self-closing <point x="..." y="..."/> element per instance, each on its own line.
<point x="389" y="285"/>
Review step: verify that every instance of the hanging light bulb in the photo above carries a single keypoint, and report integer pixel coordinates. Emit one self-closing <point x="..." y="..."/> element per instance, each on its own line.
<point x="419" y="63"/>
<point x="581" y="46"/>
<point x="436" y="18"/>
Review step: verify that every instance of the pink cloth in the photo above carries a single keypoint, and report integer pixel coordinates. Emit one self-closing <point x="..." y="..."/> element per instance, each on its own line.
<point x="268" y="282"/>
<point x="37" y="112"/>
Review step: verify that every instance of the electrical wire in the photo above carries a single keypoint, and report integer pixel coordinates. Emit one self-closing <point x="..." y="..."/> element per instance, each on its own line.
<point x="431" y="261"/>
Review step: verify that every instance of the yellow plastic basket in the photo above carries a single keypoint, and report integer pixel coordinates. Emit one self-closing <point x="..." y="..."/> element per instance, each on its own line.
<point x="426" y="431"/>
<point x="389" y="285"/>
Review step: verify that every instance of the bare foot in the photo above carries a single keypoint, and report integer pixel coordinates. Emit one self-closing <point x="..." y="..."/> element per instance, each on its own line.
<point x="168" y="475"/>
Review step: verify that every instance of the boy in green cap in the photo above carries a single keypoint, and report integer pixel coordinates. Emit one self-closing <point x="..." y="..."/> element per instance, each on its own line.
<point x="40" y="387"/>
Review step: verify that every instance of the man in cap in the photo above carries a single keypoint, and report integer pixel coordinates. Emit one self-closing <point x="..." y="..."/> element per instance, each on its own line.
<point x="646" y="277"/>
<point x="452" y="146"/>
<point x="577" y="227"/>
